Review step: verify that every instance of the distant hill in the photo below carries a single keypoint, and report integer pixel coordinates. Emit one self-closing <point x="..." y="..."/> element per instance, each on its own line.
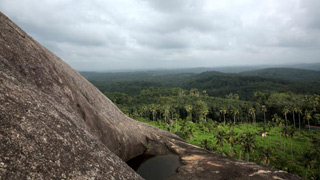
<point x="221" y="84"/>
<point x="239" y="69"/>
<point x="285" y="73"/>
<point x="214" y="82"/>
<point x="308" y="66"/>
<point x="154" y="76"/>
<point x="133" y="82"/>
<point x="198" y="70"/>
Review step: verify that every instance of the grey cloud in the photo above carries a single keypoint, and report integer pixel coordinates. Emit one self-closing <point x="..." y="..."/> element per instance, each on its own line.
<point x="311" y="13"/>
<point x="101" y="35"/>
<point x="176" y="6"/>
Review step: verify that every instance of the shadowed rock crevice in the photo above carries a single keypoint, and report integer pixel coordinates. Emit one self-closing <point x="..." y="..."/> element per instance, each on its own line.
<point x="56" y="125"/>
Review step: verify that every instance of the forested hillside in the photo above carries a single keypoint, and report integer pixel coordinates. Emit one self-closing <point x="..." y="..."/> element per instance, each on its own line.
<point x="214" y="83"/>
<point x="228" y="113"/>
<point x="285" y="73"/>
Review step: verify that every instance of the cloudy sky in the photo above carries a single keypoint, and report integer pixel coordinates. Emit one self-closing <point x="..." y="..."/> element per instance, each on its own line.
<point x="142" y="34"/>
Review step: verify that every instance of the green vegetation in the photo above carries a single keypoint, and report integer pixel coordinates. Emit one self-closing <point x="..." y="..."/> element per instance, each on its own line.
<point x="215" y="83"/>
<point x="285" y="73"/>
<point x="251" y="118"/>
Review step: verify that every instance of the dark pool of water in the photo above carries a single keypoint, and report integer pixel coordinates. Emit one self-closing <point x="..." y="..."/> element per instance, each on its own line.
<point x="155" y="167"/>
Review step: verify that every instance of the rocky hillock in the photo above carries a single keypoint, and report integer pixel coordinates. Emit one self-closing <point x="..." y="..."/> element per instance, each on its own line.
<point x="54" y="124"/>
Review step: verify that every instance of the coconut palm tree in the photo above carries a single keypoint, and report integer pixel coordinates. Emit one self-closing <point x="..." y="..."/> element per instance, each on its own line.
<point x="252" y="112"/>
<point x="153" y="110"/>
<point x="235" y="112"/>
<point x="224" y="111"/>
<point x="173" y="112"/>
<point x="166" y="112"/>
<point x="285" y="111"/>
<point x="205" y="113"/>
<point x="307" y="116"/>
<point x="160" y="109"/>
<point x="264" y="110"/>
<point x="294" y="110"/>
<point x="299" y="111"/>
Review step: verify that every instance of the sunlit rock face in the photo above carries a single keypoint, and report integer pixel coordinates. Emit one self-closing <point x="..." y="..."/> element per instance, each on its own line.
<point x="54" y="124"/>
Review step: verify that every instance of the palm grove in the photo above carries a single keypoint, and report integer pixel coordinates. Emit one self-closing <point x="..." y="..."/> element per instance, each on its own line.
<point x="233" y="127"/>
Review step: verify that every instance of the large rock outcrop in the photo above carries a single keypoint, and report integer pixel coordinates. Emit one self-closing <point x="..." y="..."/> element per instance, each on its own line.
<point x="54" y="124"/>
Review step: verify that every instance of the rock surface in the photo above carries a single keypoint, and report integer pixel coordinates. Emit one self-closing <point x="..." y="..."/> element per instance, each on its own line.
<point x="54" y="124"/>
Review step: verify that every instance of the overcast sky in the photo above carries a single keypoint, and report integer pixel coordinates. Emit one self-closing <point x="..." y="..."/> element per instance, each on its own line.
<point x="142" y="34"/>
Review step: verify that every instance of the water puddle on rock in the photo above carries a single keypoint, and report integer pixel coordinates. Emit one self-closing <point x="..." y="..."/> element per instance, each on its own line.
<point x="155" y="167"/>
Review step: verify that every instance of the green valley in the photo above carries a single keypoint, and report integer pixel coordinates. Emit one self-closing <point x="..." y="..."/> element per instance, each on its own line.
<point x="254" y="116"/>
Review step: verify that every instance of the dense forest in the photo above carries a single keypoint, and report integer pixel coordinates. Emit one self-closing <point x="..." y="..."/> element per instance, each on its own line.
<point x="215" y="83"/>
<point x="265" y="116"/>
